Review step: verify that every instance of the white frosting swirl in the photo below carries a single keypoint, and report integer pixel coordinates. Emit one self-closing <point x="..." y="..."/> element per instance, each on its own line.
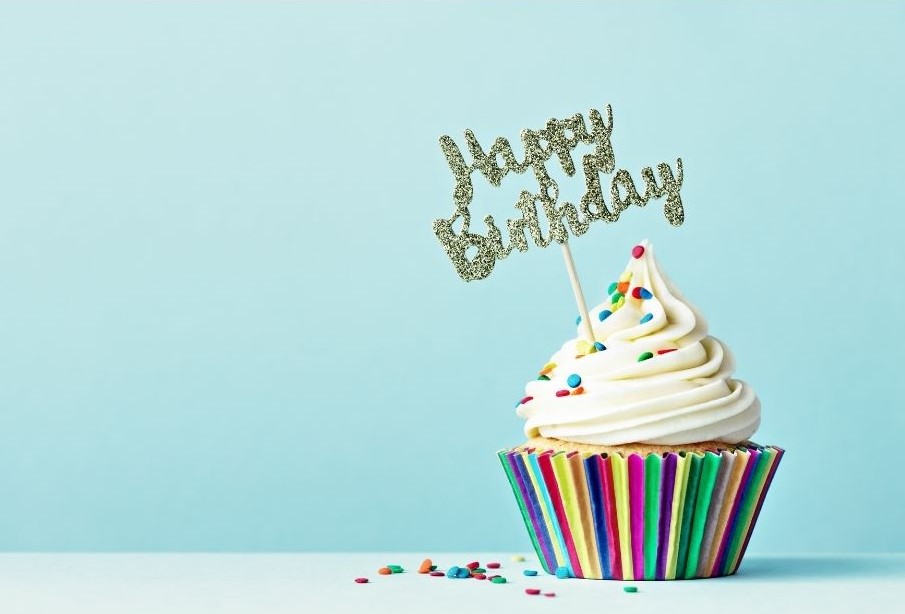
<point x="683" y="395"/>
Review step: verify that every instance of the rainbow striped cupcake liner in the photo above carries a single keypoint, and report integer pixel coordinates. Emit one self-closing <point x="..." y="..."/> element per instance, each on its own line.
<point x="655" y="517"/>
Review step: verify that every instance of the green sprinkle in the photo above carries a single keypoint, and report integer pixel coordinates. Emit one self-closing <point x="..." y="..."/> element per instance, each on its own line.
<point x="615" y="298"/>
<point x="433" y="568"/>
<point x="395" y="568"/>
<point x="498" y="580"/>
<point x="543" y="378"/>
<point x="612" y="287"/>
<point x="479" y="570"/>
<point x="630" y="589"/>
<point x="645" y="356"/>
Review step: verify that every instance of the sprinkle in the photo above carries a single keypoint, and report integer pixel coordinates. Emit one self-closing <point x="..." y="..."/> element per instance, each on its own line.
<point x="498" y="580"/>
<point x="666" y="351"/>
<point x="452" y="572"/>
<point x="532" y="591"/>
<point x="478" y="570"/>
<point x="599" y="346"/>
<point x="647" y="318"/>
<point x="577" y="320"/>
<point x="615" y="298"/>
<point x="395" y="568"/>
<point x="547" y="368"/>
<point x="492" y="577"/>
<point x="626" y="276"/>
<point x="562" y="573"/>
<point x="479" y="576"/>
<point x="613" y="287"/>
<point x="437" y="574"/>
<point x="622" y="287"/>
<point x="522" y="402"/>
<point x="361" y="580"/>
<point x="384" y="571"/>
<point x="637" y="251"/>
<point x="645" y="356"/>
<point x="425" y="567"/>
<point x="472" y="566"/>
<point x="573" y="380"/>
<point x="517" y="558"/>
<point x="493" y="565"/>
<point x="562" y="393"/>
<point x="433" y="567"/>
<point x="641" y="293"/>
<point x="543" y="378"/>
<point x="579" y="390"/>
<point x="549" y="594"/>
<point x="630" y="589"/>
<point x="619" y="303"/>
<point x="603" y="315"/>
<point x="463" y="573"/>
<point x="530" y="572"/>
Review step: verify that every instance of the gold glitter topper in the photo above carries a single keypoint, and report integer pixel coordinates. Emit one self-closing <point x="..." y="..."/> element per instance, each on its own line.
<point x="474" y="255"/>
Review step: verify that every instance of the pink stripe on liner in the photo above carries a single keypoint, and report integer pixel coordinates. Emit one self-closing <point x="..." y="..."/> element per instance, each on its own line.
<point x="636" y="512"/>
<point x="753" y="456"/>
<point x="546" y="467"/>
<point x="760" y="503"/>
<point x="612" y="522"/>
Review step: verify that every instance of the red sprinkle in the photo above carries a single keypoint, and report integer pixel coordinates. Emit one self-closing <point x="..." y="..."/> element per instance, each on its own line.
<point x="526" y="399"/>
<point x="549" y="594"/>
<point x="479" y="576"/>
<point x="361" y="580"/>
<point x="492" y="577"/>
<point x="666" y="351"/>
<point x="473" y="565"/>
<point x="638" y="251"/>
<point x="532" y="591"/>
<point x="493" y="565"/>
<point x="562" y="393"/>
<point x="437" y="574"/>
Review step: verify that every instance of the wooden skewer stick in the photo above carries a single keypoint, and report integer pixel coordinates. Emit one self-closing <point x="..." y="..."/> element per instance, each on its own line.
<point x="579" y="295"/>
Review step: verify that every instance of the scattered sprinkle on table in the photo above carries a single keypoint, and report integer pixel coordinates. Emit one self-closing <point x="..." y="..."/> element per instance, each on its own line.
<point x="630" y="589"/>
<point x="361" y="580"/>
<point x="395" y="568"/>
<point x="472" y="566"/>
<point x="437" y="573"/>
<point x="549" y="594"/>
<point x="532" y="591"/>
<point x="493" y="565"/>
<point x="425" y="566"/>
<point x="530" y="572"/>
<point x="384" y="571"/>
<point x="478" y="576"/>
<point x="498" y="580"/>
<point x="518" y="558"/>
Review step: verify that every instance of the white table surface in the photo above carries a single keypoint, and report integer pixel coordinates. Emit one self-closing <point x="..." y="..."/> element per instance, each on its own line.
<point x="314" y="583"/>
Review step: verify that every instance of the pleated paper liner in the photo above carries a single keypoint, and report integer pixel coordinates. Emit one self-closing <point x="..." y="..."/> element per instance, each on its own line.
<point x="654" y="517"/>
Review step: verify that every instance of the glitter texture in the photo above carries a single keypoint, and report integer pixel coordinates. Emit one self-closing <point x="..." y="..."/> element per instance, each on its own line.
<point x="474" y="255"/>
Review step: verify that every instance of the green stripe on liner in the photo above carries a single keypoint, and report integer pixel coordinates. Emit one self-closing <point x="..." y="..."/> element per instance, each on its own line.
<point x="651" y="514"/>
<point x="691" y="493"/>
<point x="711" y="465"/>
<point x="748" y="504"/>
<point x="513" y="483"/>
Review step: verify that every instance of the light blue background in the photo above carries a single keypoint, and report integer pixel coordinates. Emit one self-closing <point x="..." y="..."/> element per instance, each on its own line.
<point x="225" y="323"/>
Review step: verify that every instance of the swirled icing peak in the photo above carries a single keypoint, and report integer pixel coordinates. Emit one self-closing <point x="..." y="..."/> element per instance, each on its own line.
<point x="652" y="374"/>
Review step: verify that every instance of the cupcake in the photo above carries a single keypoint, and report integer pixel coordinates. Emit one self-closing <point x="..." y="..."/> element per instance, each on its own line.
<point x="639" y="463"/>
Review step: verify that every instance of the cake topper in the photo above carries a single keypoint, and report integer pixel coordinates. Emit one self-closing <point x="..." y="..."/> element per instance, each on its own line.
<point x="474" y="255"/>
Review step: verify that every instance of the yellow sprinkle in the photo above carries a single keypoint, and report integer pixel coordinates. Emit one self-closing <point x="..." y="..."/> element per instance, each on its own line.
<point x="627" y="276"/>
<point x="518" y="558"/>
<point x="618" y="304"/>
<point x="583" y="346"/>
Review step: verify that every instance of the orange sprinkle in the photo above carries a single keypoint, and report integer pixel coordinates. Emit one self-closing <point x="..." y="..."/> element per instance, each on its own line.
<point x="622" y="287"/>
<point x="384" y="571"/>
<point x="425" y="566"/>
<point x="578" y="390"/>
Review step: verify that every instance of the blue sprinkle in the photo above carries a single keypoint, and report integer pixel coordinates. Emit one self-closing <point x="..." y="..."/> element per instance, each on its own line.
<point x="577" y="320"/>
<point x="529" y="572"/>
<point x="463" y="572"/>
<point x="574" y="380"/>
<point x="562" y="573"/>
<point x="647" y="318"/>
<point x="605" y="314"/>
<point x="453" y="572"/>
<point x="599" y="346"/>
<point x="645" y="293"/>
